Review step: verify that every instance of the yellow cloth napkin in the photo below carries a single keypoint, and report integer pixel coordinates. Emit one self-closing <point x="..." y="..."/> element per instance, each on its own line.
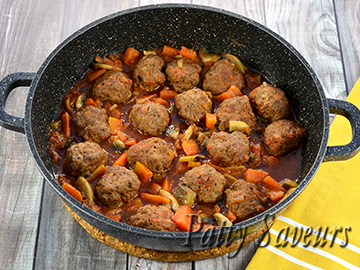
<point x="329" y="204"/>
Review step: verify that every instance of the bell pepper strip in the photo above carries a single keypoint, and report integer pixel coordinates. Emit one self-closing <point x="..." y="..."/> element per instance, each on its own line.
<point x="143" y="172"/>
<point x="96" y="74"/>
<point x="121" y="160"/>
<point x="210" y="120"/>
<point x="183" y="217"/>
<point x="190" y="147"/>
<point x="97" y="173"/>
<point x="188" y="53"/>
<point x="167" y="93"/>
<point x="154" y="198"/>
<point x="76" y="194"/>
<point x="233" y="91"/>
<point x="115" y="125"/>
<point x="65" y="120"/>
<point x="255" y="176"/>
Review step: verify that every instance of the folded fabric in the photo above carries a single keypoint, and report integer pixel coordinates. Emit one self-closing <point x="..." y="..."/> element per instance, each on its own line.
<point x="321" y="228"/>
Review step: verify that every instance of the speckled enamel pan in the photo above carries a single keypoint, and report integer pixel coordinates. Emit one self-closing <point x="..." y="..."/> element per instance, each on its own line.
<point x="194" y="27"/>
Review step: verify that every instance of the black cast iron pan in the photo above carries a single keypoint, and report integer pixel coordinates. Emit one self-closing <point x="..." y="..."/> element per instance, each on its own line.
<point x="194" y="27"/>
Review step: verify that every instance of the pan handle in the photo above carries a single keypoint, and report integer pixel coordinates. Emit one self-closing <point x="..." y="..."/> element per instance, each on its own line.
<point x="9" y="83"/>
<point x="352" y="113"/>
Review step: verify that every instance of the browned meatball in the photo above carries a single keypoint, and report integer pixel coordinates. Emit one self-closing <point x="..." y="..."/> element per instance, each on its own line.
<point x="270" y="102"/>
<point x="183" y="74"/>
<point x="91" y="123"/>
<point x="221" y="76"/>
<point x="153" y="217"/>
<point x="117" y="186"/>
<point x="229" y="149"/>
<point x="192" y="105"/>
<point x="208" y="183"/>
<point x="153" y="153"/>
<point x="244" y="200"/>
<point x="150" y="117"/>
<point x="84" y="157"/>
<point x="235" y="109"/>
<point x="147" y="73"/>
<point x="283" y="136"/>
<point x="114" y="86"/>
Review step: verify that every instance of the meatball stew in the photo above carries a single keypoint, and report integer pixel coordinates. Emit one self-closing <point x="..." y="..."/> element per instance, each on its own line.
<point x="175" y="140"/>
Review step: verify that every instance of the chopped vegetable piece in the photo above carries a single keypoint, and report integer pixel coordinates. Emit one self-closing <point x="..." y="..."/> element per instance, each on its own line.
<point x="231" y="216"/>
<point x="238" y="64"/>
<point x="230" y="177"/>
<point x="131" y="142"/>
<point x="167" y="93"/>
<point x="169" y="51"/>
<point x="68" y="106"/>
<point x="256" y="150"/>
<point x="172" y="131"/>
<point x="122" y="136"/>
<point x="273" y="183"/>
<point x="143" y="172"/>
<point x="190" y="158"/>
<point x="131" y="56"/>
<point x="134" y="204"/>
<point x="107" y="67"/>
<point x="173" y="202"/>
<point x="233" y="91"/>
<point x="80" y="101"/>
<point x="184" y="195"/>
<point x="288" y="192"/>
<point x="206" y="57"/>
<point x="96" y="74"/>
<point x="155" y="188"/>
<point x="188" y="53"/>
<point x="83" y="185"/>
<point x="166" y="185"/>
<point x="90" y="102"/>
<point x="121" y="160"/>
<point x="147" y="53"/>
<point x="210" y="120"/>
<point x="115" y="125"/>
<point x="98" y="172"/>
<point x="162" y="102"/>
<point x="188" y="133"/>
<point x="56" y="124"/>
<point x="255" y="176"/>
<point x="183" y="217"/>
<point x="145" y="98"/>
<point x="111" y="110"/>
<point x="116" y="217"/>
<point x="154" y="198"/>
<point x="193" y="164"/>
<point x="190" y="147"/>
<point x="65" y="119"/>
<point x="288" y="184"/>
<point x="72" y="191"/>
<point x="222" y="220"/>
<point x="273" y="193"/>
<point x="118" y="145"/>
<point x="240" y="126"/>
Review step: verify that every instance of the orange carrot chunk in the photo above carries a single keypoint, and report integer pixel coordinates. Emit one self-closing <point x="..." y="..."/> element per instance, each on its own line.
<point x="166" y="185"/>
<point x="143" y="172"/>
<point x="210" y="120"/>
<point x="154" y="198"/>
<point x="65" y="119"/>
<point x="233" y="91"/>
<point x="188" y="53"/>
<point x="167" y="93"/>
<point x="121" y="160"/>
<point x="115" y="125"/>
<point x="273" y="183"/>
<point x="90" y="102"/>
<point x="255" y="176"/>
<point x="190" y="147"/>
<point x="76" y="194"/>
<point x="272" y="193"/>
<point x="98" y="172"/>
<point x="96" y="74"/>
<point x="231" y="216"/>
<point x="169" y="51"/>
<point x="131" y="142"/>
<point x="131" y="56"/>
<point x="182" y="217"/>
<point x="162" y="102"/>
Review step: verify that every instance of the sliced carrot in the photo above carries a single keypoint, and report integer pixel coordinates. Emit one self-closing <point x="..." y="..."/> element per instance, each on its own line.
<point x="121" y="160"/>
<point x="116" y="217"/>
<point x="188" y="53"/>
<point x="182" y="217"/>
<point x="210" y="120"/>
<point x="99" y="59"/>
<point x="231" y="216"/>
<point x="154" y="198"/>
<point x="65" y="120"/>
<point x="76" y="194"/>
<point x="115" y="125"/>
<point x="167" y="93"/>
<point x="255" y="176"/>
<point x="131" y="142"/>
<point x="131" y="56"/>
<point x="143" y="172"/>
<point x="90" y="102"/>
<point x="122" y="136"/>
<point x="273" y="183"/>
<point x="134" y="205"/>
<point x="272" y="193"/>
<point x="233" y="91"/>
<point x="190" y="147"/>
<point x="166" y="184"/>
<point x="162" y="102"/>
<point x="111" y="111"/>
<point x="145" y="98"/>
<point x="98" y="172"/>
<point x="96" y="74"/>
<point x="169" y="51"/>
<point x="155" y="187"/>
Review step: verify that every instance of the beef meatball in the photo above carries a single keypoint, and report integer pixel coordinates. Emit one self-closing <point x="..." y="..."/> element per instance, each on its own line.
<point x="183" y="74"/>
<point x="147" y="75"/>
<point x="221" y="76"/>
<point x="91" y="123"/>
<point x="235" y="109"/>
<point x="84" y="157"/>
<point x="117" y="186"/>
<point x="149" y="117"/>
<point x="114" y="86"/>
<point x="229" y="149"/>
<point x="192" y="105"/>
<point x="283" y="136"/>
<point x="154" y="153"/>
<point x="153" y="217"/>
<point x="208" y="183"/>
<point x="270" y="102"/>
<point x="244" y="200"/>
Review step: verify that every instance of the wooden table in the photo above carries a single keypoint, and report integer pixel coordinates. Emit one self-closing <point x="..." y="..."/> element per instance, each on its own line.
<point x="36" y="231"/>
